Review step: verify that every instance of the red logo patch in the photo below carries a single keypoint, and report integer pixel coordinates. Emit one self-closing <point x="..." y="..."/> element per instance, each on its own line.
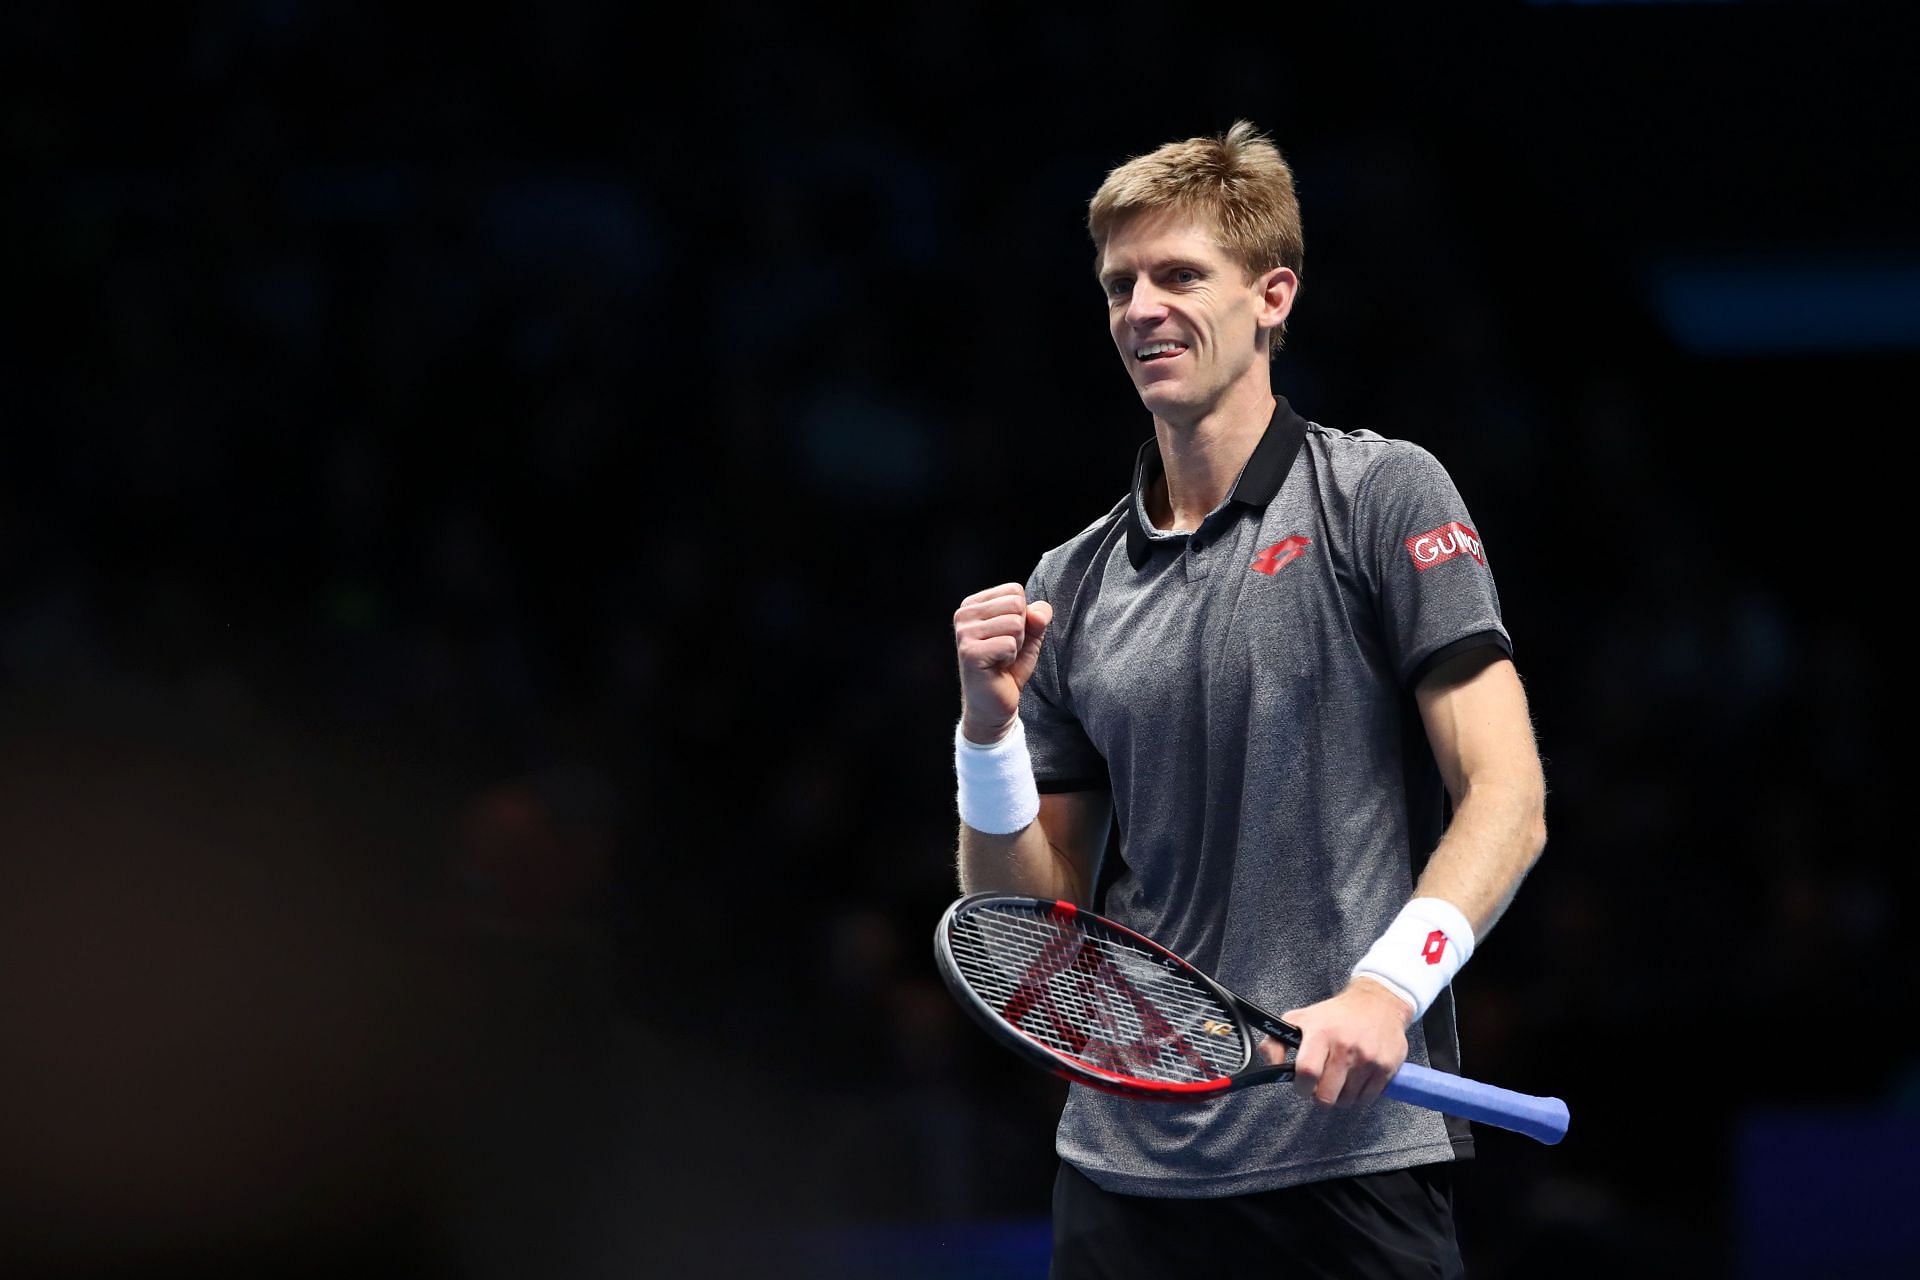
<point x="1437" y="546"/>
<point x="1435" y="948"/>
<point x="1280" y="554"/>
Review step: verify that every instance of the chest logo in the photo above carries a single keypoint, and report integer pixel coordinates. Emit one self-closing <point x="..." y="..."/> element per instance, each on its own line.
<point x="1280" y="555"/>
<point x="1437" y="546"/>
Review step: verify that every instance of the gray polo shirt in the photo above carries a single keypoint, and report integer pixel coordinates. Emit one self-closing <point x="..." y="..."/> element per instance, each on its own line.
<point x="1245" y="690"/>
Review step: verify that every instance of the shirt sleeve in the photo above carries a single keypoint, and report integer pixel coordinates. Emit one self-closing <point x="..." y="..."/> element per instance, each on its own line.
<point x="1430" y="576"/>
<point x="1064" y="758"/>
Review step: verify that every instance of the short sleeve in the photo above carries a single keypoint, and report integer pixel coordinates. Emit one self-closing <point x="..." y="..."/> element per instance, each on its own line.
<point x="1064" y="758"/>
<point x="1427" y="562"/>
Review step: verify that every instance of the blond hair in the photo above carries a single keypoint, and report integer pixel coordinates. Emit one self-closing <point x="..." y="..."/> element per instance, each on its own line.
<point x="1238" y="183"/>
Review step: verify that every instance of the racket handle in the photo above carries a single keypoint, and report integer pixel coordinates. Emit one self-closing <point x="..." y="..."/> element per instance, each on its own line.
<point x="1542" y="1119"/>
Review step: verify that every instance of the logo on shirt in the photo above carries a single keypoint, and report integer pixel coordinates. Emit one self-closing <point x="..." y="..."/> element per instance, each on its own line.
<point x="1435" y="948"/>
<point x="1280" y="555"/>
<point x="1437" y="546"/>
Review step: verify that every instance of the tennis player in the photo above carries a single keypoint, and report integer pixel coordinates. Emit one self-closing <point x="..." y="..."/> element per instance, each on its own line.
<point x="1231" y="713"/>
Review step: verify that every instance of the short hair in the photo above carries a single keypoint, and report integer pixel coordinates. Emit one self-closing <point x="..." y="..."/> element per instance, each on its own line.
<point x="1238" y="182"/>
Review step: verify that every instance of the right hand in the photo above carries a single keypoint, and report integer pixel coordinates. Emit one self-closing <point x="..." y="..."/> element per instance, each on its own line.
<point x="998" y="634"/>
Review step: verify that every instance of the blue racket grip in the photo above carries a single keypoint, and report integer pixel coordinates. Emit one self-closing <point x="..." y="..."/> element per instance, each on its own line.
<point x="1542" y="1119"/>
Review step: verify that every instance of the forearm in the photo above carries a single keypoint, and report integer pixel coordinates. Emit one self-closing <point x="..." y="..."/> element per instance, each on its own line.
<point x="1049" y="841"/>
<point x="1024" y="862"/>
<point x="1498" y="831"/>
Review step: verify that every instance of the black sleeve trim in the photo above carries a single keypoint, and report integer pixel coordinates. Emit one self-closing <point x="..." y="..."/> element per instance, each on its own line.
<point x="1479" y="640"/>
<point x="1054" y="786"/>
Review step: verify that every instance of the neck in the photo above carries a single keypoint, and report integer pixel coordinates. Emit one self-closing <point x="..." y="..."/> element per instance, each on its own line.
<point x="1203" y="456"/>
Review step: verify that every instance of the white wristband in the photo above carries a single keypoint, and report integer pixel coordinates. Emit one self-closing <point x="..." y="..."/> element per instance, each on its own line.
<point x="997" y="792"/>
<point x="1420" y="952"/>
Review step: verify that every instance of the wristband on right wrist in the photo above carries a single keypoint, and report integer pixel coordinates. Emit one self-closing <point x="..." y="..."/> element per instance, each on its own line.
<point x="1421" y="950"/>
<point x="997" y="794"/>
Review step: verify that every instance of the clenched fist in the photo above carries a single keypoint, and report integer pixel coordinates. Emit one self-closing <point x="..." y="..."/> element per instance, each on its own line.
<point x="998" y="635"/>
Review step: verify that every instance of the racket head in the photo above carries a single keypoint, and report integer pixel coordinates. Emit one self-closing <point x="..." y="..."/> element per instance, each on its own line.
<point x="1092" y="1001"/>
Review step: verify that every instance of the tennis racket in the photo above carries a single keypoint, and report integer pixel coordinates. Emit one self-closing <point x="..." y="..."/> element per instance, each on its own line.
<point x="1094" y="1002"/>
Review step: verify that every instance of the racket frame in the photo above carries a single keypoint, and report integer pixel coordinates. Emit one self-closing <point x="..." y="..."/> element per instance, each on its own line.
<point x="1544" y="1119"/>
<point x="1251" y="1021"/>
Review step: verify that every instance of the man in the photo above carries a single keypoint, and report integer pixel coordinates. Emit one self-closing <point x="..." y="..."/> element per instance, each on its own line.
<point x="1258" y="671"/>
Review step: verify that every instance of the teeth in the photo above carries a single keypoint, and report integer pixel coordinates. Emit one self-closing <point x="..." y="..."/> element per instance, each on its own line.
<point x="1155" y="348"/>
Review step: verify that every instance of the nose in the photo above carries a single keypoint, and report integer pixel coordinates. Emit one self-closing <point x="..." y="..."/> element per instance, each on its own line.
<point x="1145" y="307"/>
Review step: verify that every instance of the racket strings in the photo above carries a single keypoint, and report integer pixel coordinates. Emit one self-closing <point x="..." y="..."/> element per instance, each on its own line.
<point x="1121" y="1024"/>
<point x="1095" y="996"/>
<point x="1157" y="1033"/>
<point x="1028" y="942"/>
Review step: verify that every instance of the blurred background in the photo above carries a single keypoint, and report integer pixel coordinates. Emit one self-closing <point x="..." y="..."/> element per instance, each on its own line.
<point x="482" y="503"/>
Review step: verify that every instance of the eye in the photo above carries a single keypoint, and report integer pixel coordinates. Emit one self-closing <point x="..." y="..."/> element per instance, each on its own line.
<point x="1118" y="287"/>
<point x="1186" y="275"/>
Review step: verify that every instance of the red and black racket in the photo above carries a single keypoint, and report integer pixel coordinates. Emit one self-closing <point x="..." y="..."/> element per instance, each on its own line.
<point x="1094" y="1002"/>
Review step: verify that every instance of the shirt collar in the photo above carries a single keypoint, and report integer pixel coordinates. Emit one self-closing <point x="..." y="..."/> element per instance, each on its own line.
<point x="1258" y="482"/>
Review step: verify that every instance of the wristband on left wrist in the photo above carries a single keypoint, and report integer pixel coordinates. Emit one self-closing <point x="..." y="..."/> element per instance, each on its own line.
<point x="1421" y="951"/>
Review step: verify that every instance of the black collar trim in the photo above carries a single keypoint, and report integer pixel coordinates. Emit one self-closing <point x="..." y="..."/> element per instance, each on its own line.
<point x="1259" y="481"/>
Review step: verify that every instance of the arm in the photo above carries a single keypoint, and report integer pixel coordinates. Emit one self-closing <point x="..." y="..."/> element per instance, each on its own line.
<point x="1052" y="858"/>
<point x="997" y="635"/>
<point x="1476" y="717"/>
<point x="1475" y="714"/>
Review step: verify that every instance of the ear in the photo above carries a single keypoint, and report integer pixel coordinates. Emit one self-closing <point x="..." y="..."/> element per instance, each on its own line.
<point x="1277" y="289"/>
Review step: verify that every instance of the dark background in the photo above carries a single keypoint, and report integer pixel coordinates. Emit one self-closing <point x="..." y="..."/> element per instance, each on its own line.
<point x="482" y="502"/>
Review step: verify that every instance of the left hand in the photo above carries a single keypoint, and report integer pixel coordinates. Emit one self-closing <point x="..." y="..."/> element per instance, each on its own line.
<point x="1350" y="1044"/>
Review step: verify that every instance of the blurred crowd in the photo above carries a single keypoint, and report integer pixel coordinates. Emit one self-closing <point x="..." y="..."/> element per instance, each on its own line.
<point x="481" y="513"/>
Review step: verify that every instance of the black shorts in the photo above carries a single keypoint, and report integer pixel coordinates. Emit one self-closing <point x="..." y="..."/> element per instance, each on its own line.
<point x="1378" y="1224"/>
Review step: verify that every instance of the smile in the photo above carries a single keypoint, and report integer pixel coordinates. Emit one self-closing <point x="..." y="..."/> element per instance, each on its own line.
<point x="1159" y="350"/>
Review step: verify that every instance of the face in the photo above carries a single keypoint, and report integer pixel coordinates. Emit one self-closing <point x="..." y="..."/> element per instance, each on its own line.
<point x="1183" y="314"/>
